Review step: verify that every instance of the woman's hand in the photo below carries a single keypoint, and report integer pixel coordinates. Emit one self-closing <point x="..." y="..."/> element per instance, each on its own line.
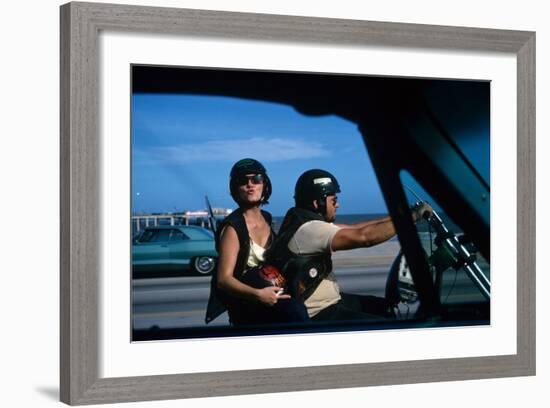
<point x="271" y="295"/>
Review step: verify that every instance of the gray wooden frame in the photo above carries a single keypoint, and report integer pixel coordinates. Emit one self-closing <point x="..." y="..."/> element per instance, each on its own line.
<point x="80" y="192"/>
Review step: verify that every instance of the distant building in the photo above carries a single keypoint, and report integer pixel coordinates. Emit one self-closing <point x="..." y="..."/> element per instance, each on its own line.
<point x="222" y="211"/>
<point x="204" y="213"/>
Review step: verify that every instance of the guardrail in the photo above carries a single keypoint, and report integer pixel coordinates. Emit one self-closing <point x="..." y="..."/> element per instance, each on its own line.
<point x="148" y="220"/>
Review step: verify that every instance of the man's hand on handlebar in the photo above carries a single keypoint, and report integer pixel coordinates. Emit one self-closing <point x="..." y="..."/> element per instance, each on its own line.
<point x="421" y="210"/>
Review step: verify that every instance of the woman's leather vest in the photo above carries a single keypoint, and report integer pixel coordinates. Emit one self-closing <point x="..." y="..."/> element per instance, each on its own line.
<point x="218" y="300"/>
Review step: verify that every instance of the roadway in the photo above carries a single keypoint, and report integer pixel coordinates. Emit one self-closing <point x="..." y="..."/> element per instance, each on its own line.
<point x="180" y="302"/>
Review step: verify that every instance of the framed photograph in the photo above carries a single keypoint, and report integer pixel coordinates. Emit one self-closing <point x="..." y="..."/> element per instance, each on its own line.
<point x="159" y="105"/>
<point x="195" y="123"/>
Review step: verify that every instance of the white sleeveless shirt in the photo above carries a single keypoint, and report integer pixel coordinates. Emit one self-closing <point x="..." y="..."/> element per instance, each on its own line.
<point x="255" y="254"/>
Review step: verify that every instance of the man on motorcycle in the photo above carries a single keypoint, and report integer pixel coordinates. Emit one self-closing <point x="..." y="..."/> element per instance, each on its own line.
<point x="306" y="240"/>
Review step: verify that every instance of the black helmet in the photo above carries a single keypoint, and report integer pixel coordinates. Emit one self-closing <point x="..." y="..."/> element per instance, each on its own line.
<point x="312" y="185"/>
<point x="248" y="166"/>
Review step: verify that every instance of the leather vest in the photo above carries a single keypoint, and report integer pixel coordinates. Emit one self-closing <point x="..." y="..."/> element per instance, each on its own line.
<point x="303" y="273"/>
<point x="218" y="301"/>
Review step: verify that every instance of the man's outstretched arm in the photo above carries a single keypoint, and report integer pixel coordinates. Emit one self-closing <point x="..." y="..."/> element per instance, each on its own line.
<point x="372" y="232"/>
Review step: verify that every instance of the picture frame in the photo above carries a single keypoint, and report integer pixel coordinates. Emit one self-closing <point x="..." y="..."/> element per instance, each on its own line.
<point x="81" y="24"/>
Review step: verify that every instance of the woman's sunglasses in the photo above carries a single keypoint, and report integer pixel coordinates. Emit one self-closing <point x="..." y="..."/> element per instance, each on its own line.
<point x="256" y="179"/>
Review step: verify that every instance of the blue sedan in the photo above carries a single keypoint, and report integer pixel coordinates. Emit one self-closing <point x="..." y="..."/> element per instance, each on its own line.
<point x="174" y="249"/>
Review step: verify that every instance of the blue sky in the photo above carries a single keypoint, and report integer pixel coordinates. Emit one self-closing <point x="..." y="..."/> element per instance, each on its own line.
<point x="183" y="147"/>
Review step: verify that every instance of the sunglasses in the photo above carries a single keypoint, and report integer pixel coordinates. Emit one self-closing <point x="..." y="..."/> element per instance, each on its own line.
<point x="255" y="179"/>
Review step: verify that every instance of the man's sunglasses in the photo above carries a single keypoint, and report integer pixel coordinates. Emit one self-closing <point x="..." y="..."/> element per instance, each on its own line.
<point x="256" y="179"/>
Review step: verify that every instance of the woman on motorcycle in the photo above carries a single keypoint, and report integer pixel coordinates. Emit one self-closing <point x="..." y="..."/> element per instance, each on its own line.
<point x="242" y="239"/>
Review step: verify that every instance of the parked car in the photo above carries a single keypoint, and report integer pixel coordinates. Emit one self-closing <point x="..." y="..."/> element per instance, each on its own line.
<point x="174" y="249"/>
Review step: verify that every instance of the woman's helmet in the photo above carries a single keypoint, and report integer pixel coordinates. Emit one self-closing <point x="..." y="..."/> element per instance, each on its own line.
<point x="313" y="185"/>
<point x="242" y="168"/>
